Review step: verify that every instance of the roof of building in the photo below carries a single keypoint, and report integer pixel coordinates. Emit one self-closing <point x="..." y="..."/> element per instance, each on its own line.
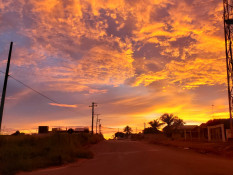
<point x="188" y="127"/>
<point x="81" y="129"/>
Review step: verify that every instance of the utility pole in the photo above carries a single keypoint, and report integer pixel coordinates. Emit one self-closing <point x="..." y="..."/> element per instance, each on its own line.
<point x="5" y="85"/>
<point x="228" y="31"/>
<point x="97" y="120"/>
<point x="93" y="113"/>
<point x="99" y="126"/>
<point x="212" y="111"/>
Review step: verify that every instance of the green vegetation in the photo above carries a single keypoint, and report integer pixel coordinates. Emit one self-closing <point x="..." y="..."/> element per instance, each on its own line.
<point x="27" y="152"/>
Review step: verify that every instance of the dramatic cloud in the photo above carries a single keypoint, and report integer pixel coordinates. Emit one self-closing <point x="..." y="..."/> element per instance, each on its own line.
<point x="138" y="59"/>
<point x="63" y="105"/>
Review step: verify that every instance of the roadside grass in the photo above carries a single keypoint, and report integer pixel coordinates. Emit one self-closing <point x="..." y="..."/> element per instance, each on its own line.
<point x="204" y="147"/>
<point x="29" y="152"/>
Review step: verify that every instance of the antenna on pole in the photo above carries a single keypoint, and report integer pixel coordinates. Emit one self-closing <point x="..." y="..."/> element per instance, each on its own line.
<point x="5" y="85"/>
<point x="93" y="113"/>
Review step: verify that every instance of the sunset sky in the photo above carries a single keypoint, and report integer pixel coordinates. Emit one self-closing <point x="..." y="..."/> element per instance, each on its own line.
<point x="137" y="59"/>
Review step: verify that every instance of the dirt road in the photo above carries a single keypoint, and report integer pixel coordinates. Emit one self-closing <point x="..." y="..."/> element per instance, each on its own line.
<point x="137" y="158"/>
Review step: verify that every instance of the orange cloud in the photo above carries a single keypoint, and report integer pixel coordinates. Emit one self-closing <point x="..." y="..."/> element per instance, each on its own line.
<point x="162" y="55"/>
<point x="189" y="74"/>
<point x="63" y="105"/>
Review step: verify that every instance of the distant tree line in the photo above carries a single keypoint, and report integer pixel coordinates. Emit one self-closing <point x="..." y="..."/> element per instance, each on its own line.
<point x="127" y="131"/>
<point x="171" y="122"/>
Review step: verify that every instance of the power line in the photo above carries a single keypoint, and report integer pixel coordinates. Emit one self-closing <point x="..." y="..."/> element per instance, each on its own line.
<point x="34" y="90"/>
<point x="2" y="72"/>
<point x="27" y="86"/>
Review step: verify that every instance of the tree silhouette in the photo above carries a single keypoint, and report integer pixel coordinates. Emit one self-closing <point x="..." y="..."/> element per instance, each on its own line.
<point x="16" y="133"/>
<point x="173" y="122"/>
<point x="167" y="118"/>
<point x="177" y="122"/>
<point x="70" y="131"/>
<point x="119" y="135"/>
<point x="155" y="124"/>
<point x="128" y="130"/>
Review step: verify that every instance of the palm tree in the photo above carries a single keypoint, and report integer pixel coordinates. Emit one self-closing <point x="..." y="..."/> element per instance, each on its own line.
<point x="155" y="124"/>
<point x="177" y="123"/>
<point x="168" y="119"/>
<point x="173" y="122"/>
<point x="128" y="130"/>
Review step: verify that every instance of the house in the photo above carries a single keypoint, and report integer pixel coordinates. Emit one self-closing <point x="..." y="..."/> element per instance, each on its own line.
<point x="188" y="132"/>
<point x="81" y="130"/>
<point x="43" y="129"/>
<point x="71" y="130"/>
<point x="216" y="133"/>
<point x="218" y="129"/>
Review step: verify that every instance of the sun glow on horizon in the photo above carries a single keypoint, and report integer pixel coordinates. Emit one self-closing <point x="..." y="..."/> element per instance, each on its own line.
<point x="135" y="62"/>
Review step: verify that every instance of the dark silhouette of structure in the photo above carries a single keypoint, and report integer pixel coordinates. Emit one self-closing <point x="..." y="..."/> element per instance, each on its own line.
<point x="228" y="31"/>
<point x="70" y="131"/>
<point x="5" y="85"/>
<point x="97" y="121"/>
<point x="100" y="132"/>
<point x="16" y="133"/>
<point x="93" y="113"/>
<point x="43" y="129"/>
<point x="119" y="135"/>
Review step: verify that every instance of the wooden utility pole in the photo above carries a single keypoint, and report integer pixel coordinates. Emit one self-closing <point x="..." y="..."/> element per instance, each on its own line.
<point x="99" y="126"/>
<point x="5" y="85"/>
<point x="93" y="113"/>
<point x="212" y="111"/>
<point x="97" y="120"/>
<point x="228" y="30"/>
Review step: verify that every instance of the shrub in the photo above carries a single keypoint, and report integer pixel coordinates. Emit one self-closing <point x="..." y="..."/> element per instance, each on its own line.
<point x="27" y="152"/>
